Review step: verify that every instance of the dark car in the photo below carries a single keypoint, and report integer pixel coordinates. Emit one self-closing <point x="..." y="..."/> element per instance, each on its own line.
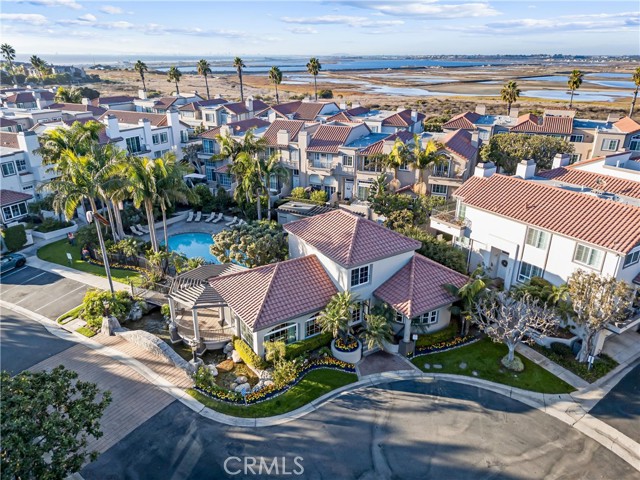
<point x="11" y="261"/>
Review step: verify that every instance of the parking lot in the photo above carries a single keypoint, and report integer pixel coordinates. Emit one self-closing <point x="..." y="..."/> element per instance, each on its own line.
<point x="43" y="292"/>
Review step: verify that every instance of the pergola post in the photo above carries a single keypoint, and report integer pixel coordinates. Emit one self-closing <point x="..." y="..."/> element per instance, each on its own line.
<point x="173" y="328"/>
<point x="407" y="345"/>
<point x="196" y="328"/>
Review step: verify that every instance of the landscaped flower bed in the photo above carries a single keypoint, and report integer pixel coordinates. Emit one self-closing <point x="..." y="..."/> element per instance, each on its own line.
<point x="443" y="346"/>
<point x="119" y="266"/>
<point x="271" y="391"/>
<point x="351" y="345"/>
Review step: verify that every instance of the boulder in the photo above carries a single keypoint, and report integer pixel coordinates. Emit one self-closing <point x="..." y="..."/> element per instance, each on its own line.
<point x="235" y="356"/>
<point x="233" y="386"/>
<point x="462" y="365"/>
<point x="213" y="370"/>
<point x="266" y="374"/>
<point x="110" y="325"/>
<point x="228" y="348"/>
<point x="241" y="379"/>
<point x="135" y="313"/>
<point x="244" y="387"/>
<point x="427" y="366"/>
<point x="268" y="383"/>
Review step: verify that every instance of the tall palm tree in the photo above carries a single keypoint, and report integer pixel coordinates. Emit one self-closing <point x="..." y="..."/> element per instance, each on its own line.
<point x="270" y="168"/>
<point x="9" y="55"/>
<point x="68" y="95"/>
<point x="275" y="77"/>
<point x="314" y="67"/>
<point x="141" y="68"/>
<point x="204" y="69"/>
<point x="422" y="159"/>
<point x="400" y="155"/>
<point x="509" y="94"/>
<point x="475" y="287"/>
<point x="337" y="314"/>
<point x="239" y="65"/>
<point x="174" y="75"/>
<point x="143" y="176"/>
<point x="40" y="65"/>
<point x="636" y="80"/>
<point x="378" y="331"/>
<point x="574" y="82"/>
<point x="79" y="138"/>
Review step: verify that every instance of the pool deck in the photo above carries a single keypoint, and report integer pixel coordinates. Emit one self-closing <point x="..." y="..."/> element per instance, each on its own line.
<point x="188" y="227"/>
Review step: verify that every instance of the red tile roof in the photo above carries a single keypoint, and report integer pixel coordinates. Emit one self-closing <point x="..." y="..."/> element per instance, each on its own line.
<point x="78" y="107"/>
<point x="291" y="126"/>
<point x="132" y="118"/>
<point x="9" y="197"/>
<point x="604" y="223"/>
<point x="164" y="102"/>
<point x="377" y="147"/>
<point x="340" y="117"/>
<point x="329" y="138"/>
<point x="8" y="139"/>
<point x="286" y="109"/>
<point x="418" y="287"/>
<point x="6" y="122"/>
<point x="211" y="134"/>
<point x="22" y="97"/>
<point x="592" y="180"/>
<point x="530" y="123"/>
<point x="308" y="110"/>
<point x="236" y="108"/>
<point x="402" y="119"/>
<point x="357" y="111"/>
<point x="459" y="142"/>
<point x="267" y="296"/>
<point x="465" y="120"/>
<point x="349" y="239"/>
<point x="627" y="125"/>
<point x="259" y="106"/>
<point x="243" y="125"/>
<point x="113" y="100"/>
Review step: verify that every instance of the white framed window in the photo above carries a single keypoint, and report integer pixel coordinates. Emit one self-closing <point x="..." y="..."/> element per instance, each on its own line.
<point x="399" y="318"/>
<point x="21" y="165"/>
<point x="575" y="157"/>
<point x="312" y="327"/>
<point x="209" y="117"/>
<point x="462" y="211"/>
<point x="246" y="334"/>
<point x="208" y="146"/>
<point x="591" y="257"/>
<point x="133" y="144"/>
<point x="484" y="135"/>
<point x="360" y="275"/>
<point x="364" y="190"/>
<point x="156" y="138"/>
<point x="164" y="138"/>
<point x="528" y="271"/>
<point x="14" y="211"/>
<point x="576" y="138"/>
<point x="634" y="144"/>
<point x="184" y="136"/>
<point x="428" y="318"/>
<point x="441" y="169"/>
<point x="8" y="169"/>
<point x="224" y="179"/>
<point x="631" y="259"/>
<point x="285" y="332"/>
<point x="347" y="160"/>
<point x="537" y="238"/>
<point x="358" y="311"/>
<point x="610" y="144"/>
<point x="439" y="189"/>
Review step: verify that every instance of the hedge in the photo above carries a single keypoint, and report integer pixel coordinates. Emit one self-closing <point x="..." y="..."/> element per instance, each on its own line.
<point x="298" y="348"/>
<point x="447" y="333"/>
<point x="14" y="237"/>
<point x="247" y="355"/>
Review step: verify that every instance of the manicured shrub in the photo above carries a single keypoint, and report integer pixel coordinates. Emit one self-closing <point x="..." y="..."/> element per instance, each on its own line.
<point x="51" y="224"/>
<point x="561" y="349"/>
<point x="274" y="351"/>
<point x="93" y="306"/>
<point x="319" y="196"/>
<point x="248" y="355"/>
<point x="296" y="349"/>
<point x="14" y="237"/>
<point x="447" y="333"/>
<point x="298" y="193"/>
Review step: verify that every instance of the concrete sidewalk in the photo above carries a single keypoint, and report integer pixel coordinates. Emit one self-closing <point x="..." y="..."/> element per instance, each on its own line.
<point x="562" y="373"/>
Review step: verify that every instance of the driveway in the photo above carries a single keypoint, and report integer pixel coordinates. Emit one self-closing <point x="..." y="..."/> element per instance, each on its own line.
<point x="40" y="291"/>
<point x="429" y="430"/>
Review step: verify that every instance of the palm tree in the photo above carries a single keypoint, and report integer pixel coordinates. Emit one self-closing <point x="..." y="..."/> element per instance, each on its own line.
<point x="423" y="159"/>
<point x="468" y="294"/>
<point x="337" y="314"/>
<point x="9" y="55"/>
<point x="509" y="94"/>
<point x="40" y="65"/>
<point x="574" y="82"/>
<point x="239" y="65"/>
<point x="68" y="95"/>
<point x="79" y="138"/>
<point x="314" y="67"/>
<point x="400" y="155"/>
<point x="636" y="80"/>
<point x="270" y="168"/>
<point x="141" y="68"/>
<point x="173" y="75"/>
<point x="275" y="77"/>
<point x="204" y="69"/>
<point x="378" y="331"/>
<point x="144" y="175"/>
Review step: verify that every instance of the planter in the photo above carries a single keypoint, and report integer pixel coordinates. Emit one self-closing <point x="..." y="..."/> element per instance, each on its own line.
<point x="546" y="341"/>
<point x="349" y="357"/>
<point x="391" y="347"/>
<point x="55" y="233"/>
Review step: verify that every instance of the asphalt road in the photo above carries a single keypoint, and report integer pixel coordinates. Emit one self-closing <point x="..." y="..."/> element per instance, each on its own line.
<point x="42" y="292"/>
<point x="403" y="430"/>
<point x="620" y="408"/>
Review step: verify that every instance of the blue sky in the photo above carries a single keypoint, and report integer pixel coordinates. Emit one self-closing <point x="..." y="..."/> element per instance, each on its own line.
<point x="308" y="27"/>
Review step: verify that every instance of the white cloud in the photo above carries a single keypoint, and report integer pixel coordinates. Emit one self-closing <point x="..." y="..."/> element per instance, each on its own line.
<point x="88" y="17"/>
<point x="111" y="10"/>
<point x="303" y="30"/>
<point x="28" y="18"/>
<point x="55" y="3"/>
<point x="342" y="20"/>
<point x="430" y="9"/>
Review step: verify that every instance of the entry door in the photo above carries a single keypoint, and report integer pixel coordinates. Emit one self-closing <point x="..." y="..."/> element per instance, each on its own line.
<point x="348" y="190"/>
<point x="503" y="263"/>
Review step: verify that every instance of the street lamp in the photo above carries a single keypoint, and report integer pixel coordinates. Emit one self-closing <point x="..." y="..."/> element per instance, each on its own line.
<point x="90" y="218"/>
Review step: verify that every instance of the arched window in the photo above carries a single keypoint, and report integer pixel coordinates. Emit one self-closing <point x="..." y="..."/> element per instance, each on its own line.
<point x="285" y="332"/>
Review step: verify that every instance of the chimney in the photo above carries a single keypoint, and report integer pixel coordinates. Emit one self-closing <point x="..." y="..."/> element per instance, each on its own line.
<point x="113" y="128"/>
<point x="225" y="131"/>
<point x="283" y="137"/>
<point x="86" y="101"/>
<point x="142" y="95"/>
<point x="526" y="169"/>
<point x="303" y="140"/>
<point x="561" y="160"/>
<point x="514" y="113"/>
<point x="475" y="138"/>
<point x="343" y="105"/>
<point x="146" y="128"/>
<point x="414" y="116"/>
<point x="28" y="141"/>
<point x="249" y="103"/>
<point x="39" y="103"/>
<point x="481" y="109"/>
<point x="484" y="170"/>
<point x="173" y="120"/>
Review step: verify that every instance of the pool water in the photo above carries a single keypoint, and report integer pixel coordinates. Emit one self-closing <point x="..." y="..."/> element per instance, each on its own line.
<point x="193" y="245"/>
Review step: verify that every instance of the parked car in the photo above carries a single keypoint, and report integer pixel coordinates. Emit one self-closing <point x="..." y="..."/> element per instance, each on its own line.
<point x="11" y="261"/>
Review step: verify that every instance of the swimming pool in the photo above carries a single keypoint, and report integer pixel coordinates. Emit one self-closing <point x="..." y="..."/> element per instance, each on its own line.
<point x="193" y="245"/>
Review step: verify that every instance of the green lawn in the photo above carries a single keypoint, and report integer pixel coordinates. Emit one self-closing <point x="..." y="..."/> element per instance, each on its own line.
<point x="313" y="385"/>
<point x="484" y="357"/>
<point x="56" y="252"/>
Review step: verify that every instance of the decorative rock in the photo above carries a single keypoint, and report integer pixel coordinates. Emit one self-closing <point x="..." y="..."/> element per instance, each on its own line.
<point x="462" y="365"/>
<point x="427" y="366"/>
<point x="236" y="357"/>
<point x="213" y="370"/>
<point x="266" y="374"/>
<point x="437" y="366"/>
<point x="228" y="348"/>
<point x="241" y="379"/>
<point x="268" y="382"/>
<point x="136" y="313"/>
<point x="110" y="325"/>
<point x="233" y="386"/>
<point x="243" y="387"/>
<point x="474" y="373"/>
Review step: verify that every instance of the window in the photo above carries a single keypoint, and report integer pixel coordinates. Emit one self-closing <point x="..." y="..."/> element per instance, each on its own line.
<point x="537" y="238"/>
<point x="360" y="276"/>
<point x="608" y="144"/>
<point x="483" y="135"/>
<point x="347" y="160"/>
<point x="462" y="211"/>
<point x="399" y="318"/>
<point x="156" y="139"/>
<point x="133" y="144"/>
<point x="285" y="332"/>
<point x="528" y="271"/>
<point x="587" y="256"/>
<point x="164" y="138"/>
<point x="8" y="169"/>
<point x="184" y="136"/>
<point x="364" y="190"/>
<point x="21" y="165"/>
<point x="428" y="318"/>
<point x="14" y="211"/>
<point x="441" y="170"/>
<point x="208" y="146"/>
<point x="360" y="309"/>
<point x="210" y="117"/>
<point x="157" y="154"/>
<point x="634" y="144"/>
<point x="371" y="164"/>
<point x="576" y="138"/>
<point x="312" y="327"/>
<point x="439" y="189"/>
<point x="294" y="155"/>
<point x="575" y="157"/>
<point x="322" y="160"/>
<point x="224" y="179"/>
<point x="245" y="333"/>
<point x="631" y="259"/>
<point x="375" y="129"/>
<point x="405" y="166"/>
<point x="329" y="191"/>
<point x="273" y="182"/>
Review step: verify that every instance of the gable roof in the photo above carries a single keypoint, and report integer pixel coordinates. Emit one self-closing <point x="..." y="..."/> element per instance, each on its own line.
<point x="77" y="107"/>
<point x="291" y="126"/>
<point x="7" y="122"/>
<point x="349" y="239"/>
<point x="132" y="118"/>
<point x="340" y="117"/>
<point x="627" y="125"/>
<point x="308" y="110"/>
<point x="286" y="109"/>
<point x="604" y="223"/>
<point x="402" y="119"/>
<point x="266" y="296"/>
<point x="259" y="106"/>
<point x="22" y="97"/>
<point x="459" y="142"/>
<point x="465" y="120"/>
<point x="244" y="125"/>
<point x="112" y="100"/>
<point x="547" y="124"/>
<point x="9" y="197"/>
<point x="329" y="138"/>
<point x="237" y="108"/>
<point x="594" y="181"/>
<point x="192" y="106"/>
<point x="164" y="102"/>
<point x="355" y="111"/>
<point x="418" y="287"/>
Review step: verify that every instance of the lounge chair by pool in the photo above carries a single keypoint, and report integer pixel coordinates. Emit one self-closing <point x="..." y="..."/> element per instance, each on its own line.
<point x="210" y="217"/>
<point x="232" y="222"/>
<point x="198" y="217"/>
<point x="142" y="229"/>
<point x="135" y="231"/>
<point x="190" y="217"/>
<point x="216" y="220"/>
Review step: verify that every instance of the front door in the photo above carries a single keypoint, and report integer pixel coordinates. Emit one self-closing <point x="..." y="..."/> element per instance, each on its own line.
<point x="348" y="189"/>
<point x="503" y="264"/>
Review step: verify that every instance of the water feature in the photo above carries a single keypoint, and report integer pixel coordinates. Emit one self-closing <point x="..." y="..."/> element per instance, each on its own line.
<point x="193" y="245"/>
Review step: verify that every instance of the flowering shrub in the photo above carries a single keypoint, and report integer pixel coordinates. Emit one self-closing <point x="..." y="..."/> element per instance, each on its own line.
<point x="119" y="266"/>
<point x="442" y="346"/>
<point x="349" y="346"/>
